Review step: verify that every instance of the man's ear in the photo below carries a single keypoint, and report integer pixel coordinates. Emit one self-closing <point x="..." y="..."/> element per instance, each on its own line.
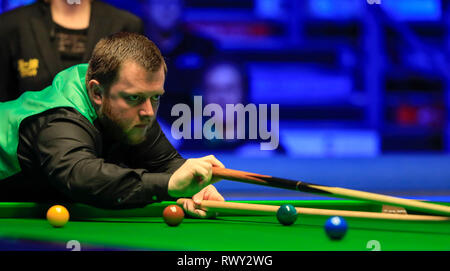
<point x="95" y="91"/>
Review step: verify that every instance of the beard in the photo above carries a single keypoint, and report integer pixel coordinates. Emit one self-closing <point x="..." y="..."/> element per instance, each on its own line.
<point x="111" y="125"/>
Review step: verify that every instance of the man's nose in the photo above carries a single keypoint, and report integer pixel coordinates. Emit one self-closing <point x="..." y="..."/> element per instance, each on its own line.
<point x="146" y="109"/>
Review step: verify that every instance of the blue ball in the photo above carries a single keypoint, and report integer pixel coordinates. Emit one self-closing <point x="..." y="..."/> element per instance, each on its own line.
<point x="336" y="227"/>
<point x="287" y="214"/>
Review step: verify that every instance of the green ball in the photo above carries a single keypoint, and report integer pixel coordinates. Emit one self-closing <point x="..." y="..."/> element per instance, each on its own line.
<point x="287" y="214"/>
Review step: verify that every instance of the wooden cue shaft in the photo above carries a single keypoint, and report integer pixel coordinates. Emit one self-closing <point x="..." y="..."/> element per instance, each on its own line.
<point x="253" y="178"/>
<point x="252" y="209"/>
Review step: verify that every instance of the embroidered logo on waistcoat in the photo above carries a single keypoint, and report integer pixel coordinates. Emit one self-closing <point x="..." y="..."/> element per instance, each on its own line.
<point x="28" y="68"/>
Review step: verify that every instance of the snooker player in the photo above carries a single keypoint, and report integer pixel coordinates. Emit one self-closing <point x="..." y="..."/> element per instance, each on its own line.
<point x="92" y="136"/>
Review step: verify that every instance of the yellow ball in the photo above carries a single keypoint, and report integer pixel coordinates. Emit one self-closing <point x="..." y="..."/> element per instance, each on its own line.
<point x="57" y="215"/>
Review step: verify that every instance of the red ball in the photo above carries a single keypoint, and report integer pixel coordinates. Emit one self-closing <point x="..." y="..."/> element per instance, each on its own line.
<point x="173" y="215"/>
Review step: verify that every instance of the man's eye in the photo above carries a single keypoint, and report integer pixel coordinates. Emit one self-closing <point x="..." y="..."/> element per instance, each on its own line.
<point x="133" y="98"/>
<point x="156" y="98"/>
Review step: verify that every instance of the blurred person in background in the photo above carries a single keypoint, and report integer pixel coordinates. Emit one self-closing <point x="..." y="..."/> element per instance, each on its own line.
<point x="224" y="82"/>
<point x="39" y="40"/>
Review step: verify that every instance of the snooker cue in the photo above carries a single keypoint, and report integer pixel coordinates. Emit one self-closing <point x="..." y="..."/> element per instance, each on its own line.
<point x="253" y="178"/>
<point x="252" y="209"/>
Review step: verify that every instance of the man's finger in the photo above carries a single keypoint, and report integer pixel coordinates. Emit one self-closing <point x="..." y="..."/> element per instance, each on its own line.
<point x="190" y="207"/>
<point x="211" y="193"/>
<point x="214" y="161"/>
<point x="200" y="213"/>
<point x="197" y="198"/>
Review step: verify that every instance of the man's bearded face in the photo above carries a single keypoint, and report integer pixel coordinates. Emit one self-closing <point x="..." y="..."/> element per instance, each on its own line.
<point x="129" y="109"/>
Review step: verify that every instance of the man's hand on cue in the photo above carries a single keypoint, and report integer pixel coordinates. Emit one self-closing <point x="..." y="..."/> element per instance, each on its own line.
<point x="192" y="206"/>
<point x="194" y="178"/>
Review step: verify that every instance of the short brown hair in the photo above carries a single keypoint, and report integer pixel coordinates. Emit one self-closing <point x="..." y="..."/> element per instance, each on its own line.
<point x="112" y="51"/>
